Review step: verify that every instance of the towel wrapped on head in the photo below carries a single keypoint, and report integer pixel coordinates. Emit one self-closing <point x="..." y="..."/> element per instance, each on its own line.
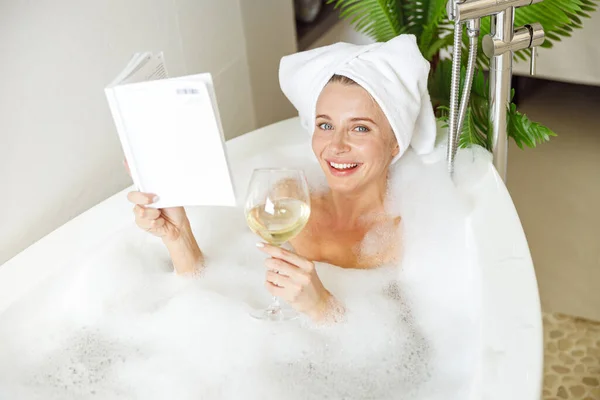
<point x="394" y="73"/>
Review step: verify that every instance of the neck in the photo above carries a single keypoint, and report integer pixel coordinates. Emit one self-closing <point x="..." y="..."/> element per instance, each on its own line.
<point x="348" y="208"/>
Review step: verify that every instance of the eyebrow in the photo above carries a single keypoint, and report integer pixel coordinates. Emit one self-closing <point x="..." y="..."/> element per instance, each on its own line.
<point x="353" y="119"/>
<point x="363" y="119"/>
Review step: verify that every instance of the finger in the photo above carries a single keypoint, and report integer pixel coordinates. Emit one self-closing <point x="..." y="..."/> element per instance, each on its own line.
<point x="286" y="255"/>
<point x="151" y="225"/>
<point x="277" y="279"/>
<point x="147" y="213"/>
<point x="142" y="198"/>
<point x="138" y="211"/>
<point x="275" y="290"/>
<point x="143" y="223"/>
<point x="283" y="267"/>
<point x="151" y="213"/>
<point x="157" y="223"/>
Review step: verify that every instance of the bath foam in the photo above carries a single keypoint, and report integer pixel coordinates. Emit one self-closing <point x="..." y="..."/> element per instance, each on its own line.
<point x="119" y="324"/>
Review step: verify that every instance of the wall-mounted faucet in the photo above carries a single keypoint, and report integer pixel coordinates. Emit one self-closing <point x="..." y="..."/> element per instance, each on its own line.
<point x="499" y="45"/>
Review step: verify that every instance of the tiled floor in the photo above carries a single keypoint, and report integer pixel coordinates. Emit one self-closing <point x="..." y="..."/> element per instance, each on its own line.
<point x="571" y="358"/>
<point x="556" y="190"/>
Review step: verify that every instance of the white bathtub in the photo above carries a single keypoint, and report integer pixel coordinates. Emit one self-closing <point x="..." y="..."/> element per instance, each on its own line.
<point x="511" y="356"/>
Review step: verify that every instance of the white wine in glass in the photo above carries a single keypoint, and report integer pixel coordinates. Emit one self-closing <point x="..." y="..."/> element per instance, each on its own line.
<point x="277" y="209"/>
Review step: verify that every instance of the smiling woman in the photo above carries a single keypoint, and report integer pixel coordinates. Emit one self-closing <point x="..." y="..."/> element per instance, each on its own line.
<point x="362" y="119"/>
<point x="355" y="145"/>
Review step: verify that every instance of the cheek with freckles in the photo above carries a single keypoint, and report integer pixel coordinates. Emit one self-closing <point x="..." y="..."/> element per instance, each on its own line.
<point x="374" y="151"/>
<point x="317" y="145"/>
<point x="320" y="145"/>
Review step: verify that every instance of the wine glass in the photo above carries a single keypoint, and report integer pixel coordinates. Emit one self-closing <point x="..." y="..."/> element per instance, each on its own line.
<point x="277" y="209"/>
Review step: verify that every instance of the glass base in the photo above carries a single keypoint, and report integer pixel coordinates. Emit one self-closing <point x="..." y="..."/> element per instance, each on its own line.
<point x="275" y="314"/>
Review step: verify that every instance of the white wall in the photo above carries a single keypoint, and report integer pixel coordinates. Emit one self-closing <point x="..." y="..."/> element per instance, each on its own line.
<point x="270" y="33"/>
<point x="59" y="152"/>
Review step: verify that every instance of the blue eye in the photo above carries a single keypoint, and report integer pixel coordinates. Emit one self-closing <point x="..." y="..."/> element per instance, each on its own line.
<point x="326" y="126"/>
<point x="361" y="129"/>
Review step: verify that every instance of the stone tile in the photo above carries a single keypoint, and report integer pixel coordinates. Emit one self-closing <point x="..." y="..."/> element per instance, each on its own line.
<point x="560" y="369"/>
<point x="562" y="392"/>
<point x="556" y="334"/>
<point x="566" y="359"/>
<point x="591" y="381"/>
<point x="577" y="391"/>
<point x="564" y="344"/>
<point x="550" y="380"/>
<point x="571" y="368"/>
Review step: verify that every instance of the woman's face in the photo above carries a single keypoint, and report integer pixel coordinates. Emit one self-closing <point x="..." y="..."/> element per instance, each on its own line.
<point x="353" y="139"/>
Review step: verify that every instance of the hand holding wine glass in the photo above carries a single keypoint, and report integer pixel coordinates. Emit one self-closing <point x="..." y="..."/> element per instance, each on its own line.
<point x="294" y="278"/>
<point x="277" y="209"/>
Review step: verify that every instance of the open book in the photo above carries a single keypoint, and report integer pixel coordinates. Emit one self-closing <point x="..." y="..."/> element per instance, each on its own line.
<point x="171" y="134"/>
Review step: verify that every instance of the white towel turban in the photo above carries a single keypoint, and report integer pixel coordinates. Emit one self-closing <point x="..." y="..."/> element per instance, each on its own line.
<point x="394" y="73"/>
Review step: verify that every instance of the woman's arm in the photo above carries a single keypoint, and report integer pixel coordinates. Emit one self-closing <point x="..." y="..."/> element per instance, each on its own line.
<point x="328" y="310"/>
<point x="185" y="253"/>
<point x="173" y="227"/>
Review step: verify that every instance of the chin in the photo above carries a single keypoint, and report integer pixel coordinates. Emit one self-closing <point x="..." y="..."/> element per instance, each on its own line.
<point x="341" y="187"/>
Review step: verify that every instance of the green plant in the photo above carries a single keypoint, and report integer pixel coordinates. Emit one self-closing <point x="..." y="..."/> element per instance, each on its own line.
<point x="427" y="20"/>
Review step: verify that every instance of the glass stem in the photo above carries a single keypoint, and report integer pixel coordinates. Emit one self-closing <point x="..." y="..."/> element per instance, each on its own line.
<point x="275" y="305"/>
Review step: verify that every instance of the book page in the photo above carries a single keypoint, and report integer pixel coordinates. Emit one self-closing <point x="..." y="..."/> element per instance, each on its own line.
<point x="176" y="140"/>
<point x="141" y="68"/>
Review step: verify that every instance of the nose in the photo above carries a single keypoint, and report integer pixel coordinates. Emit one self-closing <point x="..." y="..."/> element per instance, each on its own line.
<point x="339" y="142"/>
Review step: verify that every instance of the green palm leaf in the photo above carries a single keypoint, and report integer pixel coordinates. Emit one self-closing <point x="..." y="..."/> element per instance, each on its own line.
<point x="385" y="19"/>
<point x="524" y="131"/>
<point x="379" y="19"/>
<point x="422" y="18"/>
<point x="438" y="84"/>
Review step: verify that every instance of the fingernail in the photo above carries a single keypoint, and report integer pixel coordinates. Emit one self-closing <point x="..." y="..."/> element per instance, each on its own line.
<point x="260" y="244"/>
<point x="155" y="199"/>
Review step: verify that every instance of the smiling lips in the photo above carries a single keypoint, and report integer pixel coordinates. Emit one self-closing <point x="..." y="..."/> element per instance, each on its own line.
<point x="342" y="169"/>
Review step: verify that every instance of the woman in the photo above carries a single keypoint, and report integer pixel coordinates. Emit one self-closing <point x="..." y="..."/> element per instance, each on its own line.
<point x="366" y="105"/>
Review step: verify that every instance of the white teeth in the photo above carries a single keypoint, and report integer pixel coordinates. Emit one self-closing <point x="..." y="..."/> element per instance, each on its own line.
<point x="342" y="166"/>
